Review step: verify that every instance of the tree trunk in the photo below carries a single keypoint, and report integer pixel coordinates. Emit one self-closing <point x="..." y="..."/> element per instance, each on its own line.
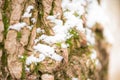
<point x="22" y="25"/>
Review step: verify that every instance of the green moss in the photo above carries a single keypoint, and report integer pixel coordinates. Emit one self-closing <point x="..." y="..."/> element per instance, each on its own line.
<point x="99" y="2"/>
<point x="1" y="45"/>
<point x="36" y="70"/>
<point x="5" y="18"/>
<point x="80" y="51"/>
<point x="40" y="21"/>
<point x="53" y="4"/>
<point x="85" y="50"/>
<point x="68" y="41"/>
<point x="98" y="31"/>
<point x="23" y="60"/>
<point x="83" y="77"/>
<point x="6" y="23"/>
<point x="40" y="8"/>
<point x="76" y="14"/>
<point x="47" y="30"/>
<point x="99" y="34"/>
<point x="4" y="59"/>
<point x="6" y="4"/>
<point x="4" y="62"/>
<point x="41" y="66"/>
<point x="58" y="44"/>
<point x="74" y="33"/>
<point x="41" y="13"/>
<point x="9" y="78"/>
<point x="19" y="35"/>
<point x="67" y="10"/>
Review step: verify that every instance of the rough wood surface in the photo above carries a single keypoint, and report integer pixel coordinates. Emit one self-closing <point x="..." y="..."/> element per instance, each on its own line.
<point x="17" y="45"/>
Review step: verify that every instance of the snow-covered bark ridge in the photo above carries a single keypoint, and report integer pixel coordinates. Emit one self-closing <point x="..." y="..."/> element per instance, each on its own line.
<point x="72" y="12"/>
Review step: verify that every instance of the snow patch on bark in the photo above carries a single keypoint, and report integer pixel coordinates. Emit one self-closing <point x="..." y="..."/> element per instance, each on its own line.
<point x="48" y="51"/>
<point x="18" y="26"/>
<point x="27" y="12"/>
<point x="75" y="78"/>
<point x="44" y="51"/>
<point x="33" y="59"/>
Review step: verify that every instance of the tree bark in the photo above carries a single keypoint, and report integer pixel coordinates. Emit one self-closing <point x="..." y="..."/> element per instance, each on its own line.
<point x="14" y="44"/>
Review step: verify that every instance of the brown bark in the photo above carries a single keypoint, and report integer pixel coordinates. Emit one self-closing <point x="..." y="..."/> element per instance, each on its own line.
<point x="75" y="57"/>
<point x="1" y="28"/>
<point x="12" y="46"/>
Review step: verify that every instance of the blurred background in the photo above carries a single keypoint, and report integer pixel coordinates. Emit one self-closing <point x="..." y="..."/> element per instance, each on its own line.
<point x="112" y="10"/>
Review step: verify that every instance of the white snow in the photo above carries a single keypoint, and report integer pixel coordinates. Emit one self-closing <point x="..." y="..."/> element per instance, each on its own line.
<point x="27" y="12"/>
<point x="30" y="27"/>
<point x="33" y="20"/>
<point x="53" y="17"/>
<point x="36" y="40"/>
<point x="95" y="14"/>
<point x="54" y="39"/>
<point x="62" y="31"/>
<point x="32" y="59"/>
<point x="108" y="35"/>
<point x="44" y="51"/>
<point x="93" y="55"/>
<point x="48" y="51"/>
<point x="90" y="37"/>
<point x="18" y="26"/>
<point x="63" y="45"/>
<point x="97" y="63"/>
<point x="88" y="79"/>
<point x="75" y="78"/>
<point x="27" y="69"/>
<point x="70" y="8"/>
<point x="39" y="30"/>
<point x="73" y="6"/>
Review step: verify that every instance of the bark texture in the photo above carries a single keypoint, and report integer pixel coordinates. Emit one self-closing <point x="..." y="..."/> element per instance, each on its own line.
<point x="14" y="44"/>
